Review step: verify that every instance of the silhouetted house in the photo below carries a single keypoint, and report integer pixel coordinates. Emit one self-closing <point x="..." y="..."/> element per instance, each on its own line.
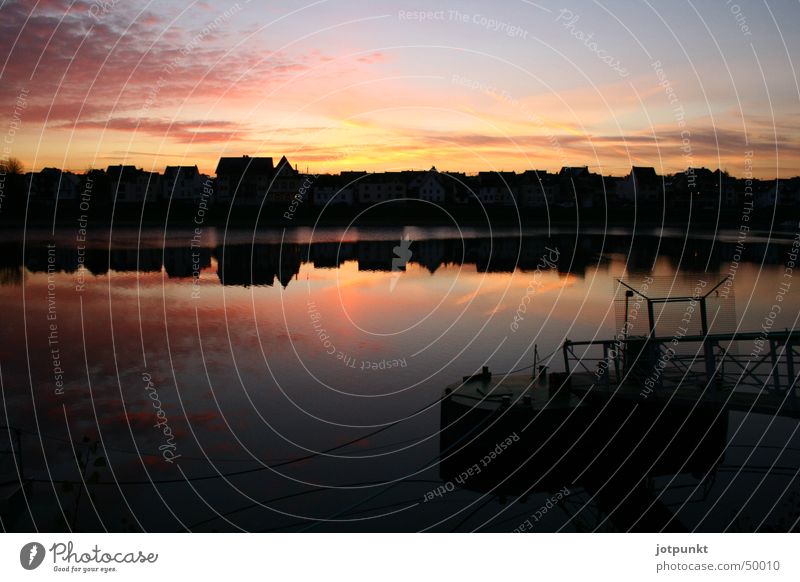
<point x="50" y="184"/>
<point x="537" y="189"/>
<point x="130" y="184"/>
<point x="413" y="179"/>
<point x="183" y="183"/>
<point x="641" y="185"/>
<point x="243" y="180"/>
<point x="381" y="187"/>
<point x="577" y="185"/>
<point x="611" y="185"/>
<point x="465" y="189"/>
<point x="332" y="190"/>
<point x="496" y="188"/>
<point x="352" y="175"/>
<point x="95" y="190"/>
<point x="779" y="194"/>
<point x="432" y="186"/>
<point x="574" y="172"/>
<point x="706" y="189"/>
<point x="285" y="184"/>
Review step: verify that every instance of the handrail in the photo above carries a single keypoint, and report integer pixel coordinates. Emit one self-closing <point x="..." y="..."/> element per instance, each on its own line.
<point x="774" y="366"/>
<point x="715" y="337"/>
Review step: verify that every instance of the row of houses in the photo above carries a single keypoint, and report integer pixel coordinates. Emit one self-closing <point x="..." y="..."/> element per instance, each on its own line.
<point x="128" y="184"/>
<point x="252" y="181"/>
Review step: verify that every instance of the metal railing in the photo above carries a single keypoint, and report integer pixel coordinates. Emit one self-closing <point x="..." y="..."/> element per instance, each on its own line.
<point x="752" y="360"/>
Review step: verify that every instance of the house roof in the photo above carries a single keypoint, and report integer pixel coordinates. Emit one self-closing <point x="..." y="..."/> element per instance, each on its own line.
<point x="535" y="176"/>
<point x="187" y="171"/>
<point x="118" y="171"/>
<point x="386" y="177"/>
<point x="332" y="181"/>
<point x="245" y="164"/>
<point x="284" y="167"/>
<point x="498" y="179"/>
<point x="646" y="176"/>
<point x="574" y="171"/>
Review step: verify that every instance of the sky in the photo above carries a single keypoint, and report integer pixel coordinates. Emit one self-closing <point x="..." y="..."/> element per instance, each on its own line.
<point x="352" y="85"/>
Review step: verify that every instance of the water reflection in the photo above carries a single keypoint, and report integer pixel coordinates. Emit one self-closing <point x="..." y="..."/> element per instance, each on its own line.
<point x="273" y="365"/>
<point x="256" y="263"/>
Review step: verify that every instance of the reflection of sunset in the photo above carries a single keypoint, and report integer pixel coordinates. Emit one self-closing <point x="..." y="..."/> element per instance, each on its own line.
<point x="242" y="368"/>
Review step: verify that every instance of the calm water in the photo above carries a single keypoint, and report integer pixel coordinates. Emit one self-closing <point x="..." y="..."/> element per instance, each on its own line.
<point x="289" y="380"/>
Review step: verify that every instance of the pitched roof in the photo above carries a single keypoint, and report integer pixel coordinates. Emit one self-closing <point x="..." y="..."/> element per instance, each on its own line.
<point x="245" y="164"/>
<point x="646" y="176"/>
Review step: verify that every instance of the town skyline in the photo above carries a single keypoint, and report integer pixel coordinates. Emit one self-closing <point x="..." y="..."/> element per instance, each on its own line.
<point x="308" y="170"/>
<point x="248" y="181"/>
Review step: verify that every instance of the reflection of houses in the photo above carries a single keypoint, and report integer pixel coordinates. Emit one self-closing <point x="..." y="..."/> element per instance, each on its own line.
<point x="261" y="264"/>
<point x="430" y="253"/>
<point x="499" y="255"/>
<point x="533" y="252"/>
<point x="96" y="261"/>
<point x="143" y="260"/>
<point x="130" y="184"/>
<point x="39" y="259"/>
<point x="331" y="255"/>
<point x="182" y="262"/>
<point x="257" y="264"/>
<point x="183" y="183"/>
<point x="244" y="180"/>
<point x="376" y="255"/>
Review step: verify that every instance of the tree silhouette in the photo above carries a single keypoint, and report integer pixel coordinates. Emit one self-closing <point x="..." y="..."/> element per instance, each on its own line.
<point x="12" y="166"/>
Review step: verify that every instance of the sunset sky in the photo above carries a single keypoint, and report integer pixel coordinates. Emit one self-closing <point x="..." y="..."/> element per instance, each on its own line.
<point x="340" y="84"/>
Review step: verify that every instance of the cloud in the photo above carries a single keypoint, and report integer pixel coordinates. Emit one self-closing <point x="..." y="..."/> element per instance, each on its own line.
<point x="125" y="64"/>
<point x="208" y="131"/>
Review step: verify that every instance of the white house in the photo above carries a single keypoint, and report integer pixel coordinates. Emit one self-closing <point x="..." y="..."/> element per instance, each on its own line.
<point x="431" y="187"/>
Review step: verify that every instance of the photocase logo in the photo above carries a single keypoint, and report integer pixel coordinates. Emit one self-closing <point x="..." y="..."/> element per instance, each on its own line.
<point x="402" y="254"/>
<point x="31" y="555"/>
